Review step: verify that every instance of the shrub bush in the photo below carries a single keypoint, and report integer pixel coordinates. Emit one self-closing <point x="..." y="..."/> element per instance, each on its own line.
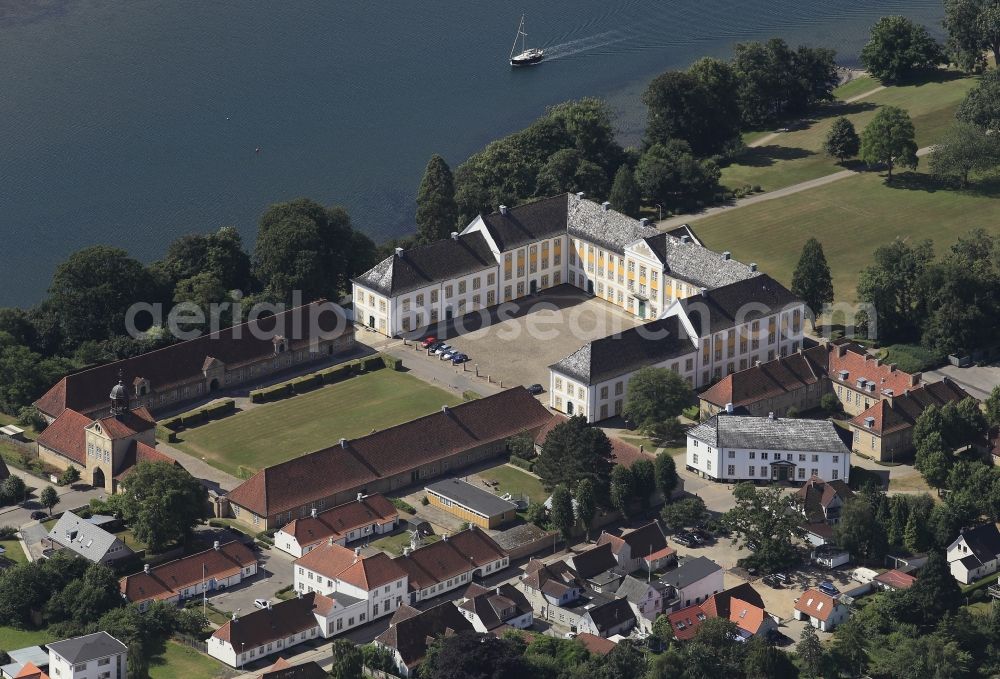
<point x="522" y="463"/>
<point x="373" y="363"/>
<point x="692" y="413"/>
<point x="172" y="423"/>
<point x="306" y="383"/>
<point x="424" y="501"/>
<point x="256" y="396"/>
<point x="244" y="472"/>
<point x="29" y="416"/>
<point x="193" y="419"/>
<point x="335" y="374"/>
<point x="7" y="532"/>
<point x="912" y="358"/>
<point x="470" y="395"/>
<point x="392" y="362"/>
<point x="70" y="475"/>
<point x="403" y="506"/>
<point x="221" y="408"/>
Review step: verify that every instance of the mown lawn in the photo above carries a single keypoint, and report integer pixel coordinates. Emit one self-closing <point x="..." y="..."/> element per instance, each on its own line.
<point x="178" y="660"/>
<point x="12" y="639"/>
<point x="515" y="481"/>
<point x="856" y="87"/>
<point x="6" y="419"/>
<point x="13" y="551"/>
<point x="851" y="217"/>
<point x="797" y="156"/>
<point x="276" y="432"/>
<point x="394" y="544"/>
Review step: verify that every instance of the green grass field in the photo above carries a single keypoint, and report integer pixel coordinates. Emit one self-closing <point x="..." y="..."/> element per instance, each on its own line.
<point x="797" y="156"/>
<point x="856" y="87"/>
<point x="515" y="481"/>
<point x="13" y="551"/>
<point x="276" y="432"/>
<point x="178" y="660"/>
<point x="12" y="639"/>
<point x="850" y="218"/>
<point x="394" y="544"/>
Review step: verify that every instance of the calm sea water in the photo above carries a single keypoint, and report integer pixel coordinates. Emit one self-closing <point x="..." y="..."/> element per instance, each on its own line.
<point x="132" y="122"/>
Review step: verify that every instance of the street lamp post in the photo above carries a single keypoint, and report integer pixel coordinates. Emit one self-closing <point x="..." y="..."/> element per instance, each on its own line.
<point x="659" y="209"/>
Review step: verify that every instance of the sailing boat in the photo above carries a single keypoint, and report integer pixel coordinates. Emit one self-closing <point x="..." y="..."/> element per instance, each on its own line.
<point x="526" y="57"/>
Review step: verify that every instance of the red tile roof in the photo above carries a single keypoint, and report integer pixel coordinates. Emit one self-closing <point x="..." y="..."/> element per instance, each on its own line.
<point x="904" y="409"/>
<point x="896" y="579"/>
<point x="67" y="435"/>
<point x="747" y="616"/>
<point x="816" y="604"/>
<point x="127" y="424"/>
<point x="449" y="557"/>
<point x="770" y="379"/>
<point x="595" y="644"/>
<point x="626" y="454"/>
<point x="140" y="452"/>
<point x="358" y="462"/>
<point x="686" y="621"/>
<point x="741" y="604"/>
<point x="87" y="390"/>
<point x="860" y="364"/>
<point x="339" y="521"/>
<point x="170" y="579"/>
<point x="30" y="671"/>
<point x="335" y="562"/>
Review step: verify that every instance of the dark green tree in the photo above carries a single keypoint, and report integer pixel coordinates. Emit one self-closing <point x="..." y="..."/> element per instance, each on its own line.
<point x="49" y="498"/>
<point x="895" y="528"/>
<point x="664" y="433"/>
<point x="992" y="407"/>
<point x="764" y="517"/>
<point x="573" y="451"/>
<point x="347" y="660"/>
<point x="470" y="655"/>
<point x="92" y="291"/>
<point x="671" y="175"/>
<point x="889" y="140"/>
<point x="981" y="106"/>
<point x="859" y="533"/>
<point x="655" y="395"/>
<point x="26" y="376"/>
<point x="898" y="49"/>
<point x="811" y="653"/>
<point x="842" y="141"/>
<point x="665" y="471"/>
<point x="973" y="28"/>
<point x="894" y="286"/>
<point x="625" y="195"/>
<point x="935" y="592"/>
<point x="586" y="504"/>
<point x="965" y="149"/>
<point x="765" y="661"/>
<point x="567" y="170"/>
<point x="561" y="514"/>
<point x="643" y="480"/>
<point x="933" y="460"/>
<point x="622" y="489"/>
<point x="437" y="212"/>
<point x="161" y="503"/>
<point x="12" y="490"/>
<point x="914" y="537"/>
<point x="811" y="279"/>
<point x="687" y="513"/>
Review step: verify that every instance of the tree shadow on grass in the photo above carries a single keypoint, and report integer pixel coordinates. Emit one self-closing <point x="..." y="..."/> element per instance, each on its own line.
<point x="766" y="156"/>
<point x="915" y="181"/>
<point x="837" y="109"/>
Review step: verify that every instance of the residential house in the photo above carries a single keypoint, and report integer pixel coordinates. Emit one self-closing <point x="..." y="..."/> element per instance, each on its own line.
<point x="87" y="540"/>
<point x="390" y="459"/>
<point x="198" y="368"/>
<point x="882" y="400"/>
<point x="282" y="669"/>
<point x="552" y="589"/>
<point x="31" y="671"/>
<point x="646" y="599"/>
<point x="821" y="503"/>
<point x="104" y="448"/>
<point x="411" y="631"/>
<point x="26" y="661"/>
<point x="364" y="588"/>
<point x="894" y="580"/>
<point x="493" y="609"/>
<point x="734" y="448"/>
<point x="741" y="604"/>
<point x="452" y="562"/>
<point x="92" y="656"/>
<point x="975" y="553"/>
<point x="266" y="631"/>
<point x="607" y="618"/>
<point x="693" y="581"/>
<point x="475" y="505"/>
<point x="515" y="252"/>
<point x="644" y="547"/>
<point x="701" y="338"/>
<point x="822" y="611"/>
<point x="598" y="567"/>
<point x="365" y="517"/>
<point x="225" y="565"/>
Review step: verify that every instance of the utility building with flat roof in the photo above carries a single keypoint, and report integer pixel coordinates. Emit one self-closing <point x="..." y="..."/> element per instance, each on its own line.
<point x="479" y="507"/>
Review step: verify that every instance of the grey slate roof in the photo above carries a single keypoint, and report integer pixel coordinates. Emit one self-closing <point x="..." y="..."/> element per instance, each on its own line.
<point x="696" y="264"/>
<point x="427" y="264"/>
<point x="634" y="590"/>
<point x="472" y="497"/>
<point x="608" y="229"/>
<point x="690" y="572"/>
<point x="80" y="536"/>
<point x="622" y="353"/>
<point x="530" y="222"/>
<point x="737" y="303"/>
<point x="764" y="433"/>
<point x="610" y="614"/>
<point x="89" y="647"/>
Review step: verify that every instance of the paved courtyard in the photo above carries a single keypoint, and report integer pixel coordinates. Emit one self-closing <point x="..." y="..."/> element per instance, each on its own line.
<point x="518" y="341"/>
<point x="977" y="380"/>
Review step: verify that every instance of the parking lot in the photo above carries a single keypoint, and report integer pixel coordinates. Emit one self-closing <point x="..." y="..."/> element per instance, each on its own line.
<point x="517" y="341"/>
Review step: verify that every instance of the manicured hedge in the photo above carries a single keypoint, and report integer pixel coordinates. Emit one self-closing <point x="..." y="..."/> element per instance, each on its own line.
<point x="192" y="419"/>
<point x="171" y="423"/>
<point x="392" y="362"/>
<point x="522" y="463"/>
<point x="335" y="374"/>
<point x="256" y="396"/>
<point x="403" y="506"/>
<point x="219" y="409"/>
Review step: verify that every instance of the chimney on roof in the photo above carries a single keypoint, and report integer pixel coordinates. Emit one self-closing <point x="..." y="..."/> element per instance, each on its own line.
<point x="215" y="545"/>
<point x="685" y="238"/>
<point x="298" y="594"/>
<point x="236" y="615"/>
<point x="644" y="221"/>
<point x="727" y="255"/>
<point x="444" y="537"/>
<point x="454" y="235"/>
<point x="770" y="415"/>
<point x="729" y="408"/>
<point x="498" y="590"/>
<point x="361" y="496"/>
<point x="704" y="292"/>
<point x="753" y="266"/>
<point x="399" y="252"/>
<point x="312" y="512"/>
<point x="503" y="209"/>
<point x="331" y="541"/>
<point x="145" y="568"/>
<point x="343" y="443"/>
<point x="580" y="194"/>
<point x="606" y="205"/>
<point x="445" y="410"/>
<point x="915" y="379"/>
<point x="269" y="605"/>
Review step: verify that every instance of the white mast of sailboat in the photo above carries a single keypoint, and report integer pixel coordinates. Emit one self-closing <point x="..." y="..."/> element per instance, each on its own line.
<point x="520" y="34"/>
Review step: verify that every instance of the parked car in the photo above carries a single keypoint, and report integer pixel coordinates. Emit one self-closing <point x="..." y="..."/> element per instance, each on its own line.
<point x="443" y="348"/>
<point x="828" y="587"/>
<point x="683" y="538"/>
<point x="535" y="389"/>
<point x="782" y="578"/>
<point x="428" y="341"/>
<point x="701" y="535"/>
<point x="772" y="581"/>
<point x="260" y="603"/>
<point x="38" y="515"/>
<point x="447" y="356"/>
<point x="459" y="358"/>
<point x="433" y="346"/>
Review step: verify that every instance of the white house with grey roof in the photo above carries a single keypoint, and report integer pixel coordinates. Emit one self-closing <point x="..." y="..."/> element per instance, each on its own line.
<point x="519" y="251"/>
<point x="701" y="338"/>
<point x="734" y="448"/>
<point x="692" y="582"/>
<point x="94" y="656"/>
<point x="91" y="542"/>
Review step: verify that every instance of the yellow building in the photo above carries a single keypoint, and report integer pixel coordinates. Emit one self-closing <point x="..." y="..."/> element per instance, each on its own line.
<point x="479" y="507"/>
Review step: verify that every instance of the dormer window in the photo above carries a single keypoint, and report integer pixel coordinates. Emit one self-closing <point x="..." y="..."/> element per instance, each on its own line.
<point x="141" y="386"/>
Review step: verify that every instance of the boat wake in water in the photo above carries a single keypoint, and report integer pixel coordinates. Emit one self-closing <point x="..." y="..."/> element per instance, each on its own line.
<point x="593" y="42"/>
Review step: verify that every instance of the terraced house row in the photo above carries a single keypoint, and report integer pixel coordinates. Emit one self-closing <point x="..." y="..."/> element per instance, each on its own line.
<point x="515" y="252"/>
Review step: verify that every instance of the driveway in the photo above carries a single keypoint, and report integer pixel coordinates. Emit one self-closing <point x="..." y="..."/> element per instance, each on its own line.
<point x="70" y="497"/>
<point x="274" y="572"/>
<point x="977" y="380"/>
